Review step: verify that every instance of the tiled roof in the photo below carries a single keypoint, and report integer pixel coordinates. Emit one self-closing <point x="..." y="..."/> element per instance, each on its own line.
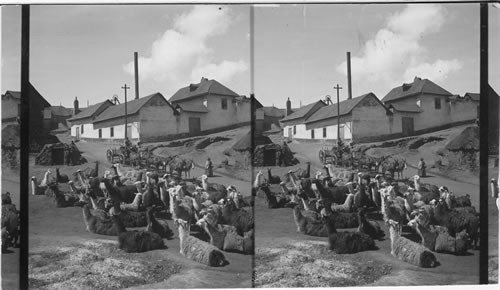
<point x="473" y="96"/>
<point x="416" y="87"/>
<point x="13" y="94"/>
<point x="89" y="111"/>
<point x="60" y="111"/>
<point x="412" y="108"/>
<point x="193" y="108"/>
<point x="133" y="108"/>
<point x="205" y="86"/>
<point x="273" y="111"/>
<point x="32" y="92"/>
<point x="301" y="113"/>
<point x="346" y="107"/>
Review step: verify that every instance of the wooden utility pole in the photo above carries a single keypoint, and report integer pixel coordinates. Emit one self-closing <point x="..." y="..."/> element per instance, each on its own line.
<point x="338" y="113"/>
<point x="24" y="115"/>
<point x="136" y="75"/>
<point x="125" y="88"/>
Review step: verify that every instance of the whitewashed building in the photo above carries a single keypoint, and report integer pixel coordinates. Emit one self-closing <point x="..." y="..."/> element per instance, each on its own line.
<point x="294" y="125"/>
<point x="81" y="123"/>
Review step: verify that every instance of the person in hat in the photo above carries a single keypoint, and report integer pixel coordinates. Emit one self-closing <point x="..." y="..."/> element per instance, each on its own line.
<point x="421" y="168"/>
<point x="209" y="168"/>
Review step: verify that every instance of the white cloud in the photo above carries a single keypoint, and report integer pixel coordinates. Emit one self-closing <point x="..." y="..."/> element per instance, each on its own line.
<point x="181" y="54"/>
<point x="222" y="72"/>
<point x="396" y="53"/>
<point x="437" y="71"/>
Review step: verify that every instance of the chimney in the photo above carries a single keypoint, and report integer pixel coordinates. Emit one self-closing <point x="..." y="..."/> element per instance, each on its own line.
<point x="349" y="86"/>
<point x="76" y="110"/>
<point x="136" y="69"/>
<point x="288" y="107"/>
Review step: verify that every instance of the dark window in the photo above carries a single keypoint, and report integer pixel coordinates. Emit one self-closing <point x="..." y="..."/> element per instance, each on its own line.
<point x="82" y="129"/>
<point x="224" y="104"/>
<point x="437" y="103"/>
<point x="100" y="133"/>
<point x="294" y="130"/>
<point x="312" y="134"/>
<point x="324" y="132"/>
<point x="112" y="131"/>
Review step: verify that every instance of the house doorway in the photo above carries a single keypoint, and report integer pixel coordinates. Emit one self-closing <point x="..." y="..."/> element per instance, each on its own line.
<point x="129" y="132"/>
<point x="341" y="132"/>
<point x="78" y="133"/>
<point x="194" y="125"/>
<point x="58" y="156"/>
<point x="270" y="157"/>
<point x="290" y="133"/>
<point x="408" y="128"/>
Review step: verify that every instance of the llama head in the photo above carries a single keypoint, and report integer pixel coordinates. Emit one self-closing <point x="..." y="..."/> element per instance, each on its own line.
<point x="416" y="178"/>
<point x="204" y="177"/>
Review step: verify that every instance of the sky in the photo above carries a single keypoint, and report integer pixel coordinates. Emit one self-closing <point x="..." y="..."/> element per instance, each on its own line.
<point x="87" y="51"/>
<point x="299" y="50"/>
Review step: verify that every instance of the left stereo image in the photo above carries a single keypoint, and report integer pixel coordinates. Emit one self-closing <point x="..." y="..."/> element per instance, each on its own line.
<point x="139" y="140"/>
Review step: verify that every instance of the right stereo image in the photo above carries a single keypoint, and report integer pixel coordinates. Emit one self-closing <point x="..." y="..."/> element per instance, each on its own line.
<point x="367" y="145"/>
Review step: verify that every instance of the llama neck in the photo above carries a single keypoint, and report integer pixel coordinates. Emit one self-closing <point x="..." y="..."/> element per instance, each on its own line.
<point x="33" y="187"/>
<point x="292" y="179"/>
<point x="417" y="184"/>
<point x="448" y="201"/>
<point x="172" y="201"/>
<point x="204" y="183"/>
<point x="306" y="206"/>
<point x="385" y="205"/>
<point x="94" y="204"/>
<point x="137" y="199"/>
<point x="118" y="170"/>
<point x="284" y="189"/>
<point x="196" y="204"/>
<point x="80" y="176"/>
<point x="349" y="200"/>
<point x="394" y="236"/>
<point x="45" y="178"/>
<point x="138" y="187"/>
<point x="329" y="170"/>
<point x="409" y="203"/>
<point x="72" y="187"/>
<point x="256" y="184"/>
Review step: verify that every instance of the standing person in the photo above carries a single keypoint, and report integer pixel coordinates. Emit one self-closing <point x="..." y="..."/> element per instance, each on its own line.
<point x="66" y="156"/>
<point x="421" y="168"/>
<point x="209" y="168"/>
<point x="73" y="154"/>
